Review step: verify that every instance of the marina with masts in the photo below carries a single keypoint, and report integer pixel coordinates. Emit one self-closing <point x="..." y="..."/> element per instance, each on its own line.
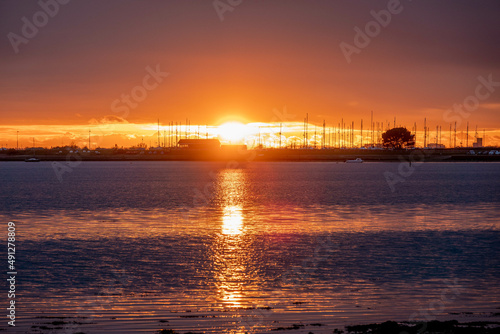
<point x="288" y="141"/>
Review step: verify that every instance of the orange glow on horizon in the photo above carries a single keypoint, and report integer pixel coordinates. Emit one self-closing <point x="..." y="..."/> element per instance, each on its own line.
<point x="234" y="132"/>
<point x="106" y="135"/>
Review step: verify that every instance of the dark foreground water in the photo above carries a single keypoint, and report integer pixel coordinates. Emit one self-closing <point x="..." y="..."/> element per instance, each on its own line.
<point x="216" y="248"/>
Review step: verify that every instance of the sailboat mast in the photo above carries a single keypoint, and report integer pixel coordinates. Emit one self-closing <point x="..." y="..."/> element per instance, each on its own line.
<point x="467" y="133"/>
<point x="371" y="125"/>
<point x="280" y="134"/>
<point x="324" y="134"/>
<point x="425" y="132"/>
<point x="361" y="132"/>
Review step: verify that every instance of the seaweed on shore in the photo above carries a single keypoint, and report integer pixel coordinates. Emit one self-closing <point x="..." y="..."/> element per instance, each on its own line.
<point x="166" y="331"/>
<point x="171" y="331"/>
<point x="431" y="327"/>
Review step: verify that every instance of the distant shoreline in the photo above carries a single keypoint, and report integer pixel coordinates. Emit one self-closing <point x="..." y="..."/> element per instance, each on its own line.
<point x="288" y="155"/>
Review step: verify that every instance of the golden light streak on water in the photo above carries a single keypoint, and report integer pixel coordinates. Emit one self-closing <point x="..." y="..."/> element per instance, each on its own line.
<point x="232" y="221"/>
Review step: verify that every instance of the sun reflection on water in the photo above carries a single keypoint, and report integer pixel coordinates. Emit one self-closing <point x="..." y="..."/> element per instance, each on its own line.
<point x="231" y="253"/>
<point x="232" y="220"/>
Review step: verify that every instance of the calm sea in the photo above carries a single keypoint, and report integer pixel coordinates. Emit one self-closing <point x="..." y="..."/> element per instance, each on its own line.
<point x="232" y="248"/>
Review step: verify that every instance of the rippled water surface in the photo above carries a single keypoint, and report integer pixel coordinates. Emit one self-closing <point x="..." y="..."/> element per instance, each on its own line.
<point x="226" y="248"/>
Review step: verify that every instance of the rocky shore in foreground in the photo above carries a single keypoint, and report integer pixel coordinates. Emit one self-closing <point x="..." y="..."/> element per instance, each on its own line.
<point x="392" y="327"/>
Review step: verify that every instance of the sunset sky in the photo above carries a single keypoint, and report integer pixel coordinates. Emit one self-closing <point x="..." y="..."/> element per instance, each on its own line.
<point x="212" y="62"/>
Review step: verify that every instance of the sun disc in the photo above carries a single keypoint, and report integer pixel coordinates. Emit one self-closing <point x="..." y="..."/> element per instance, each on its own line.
<point x="232" y="131"/>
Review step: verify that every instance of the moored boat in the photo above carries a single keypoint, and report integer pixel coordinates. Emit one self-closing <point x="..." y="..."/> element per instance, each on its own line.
<point x="355" y="161"/>
<point x="33" y="158"/>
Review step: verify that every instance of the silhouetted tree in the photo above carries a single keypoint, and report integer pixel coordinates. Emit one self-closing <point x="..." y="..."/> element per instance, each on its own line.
<point x="398" y="138"/>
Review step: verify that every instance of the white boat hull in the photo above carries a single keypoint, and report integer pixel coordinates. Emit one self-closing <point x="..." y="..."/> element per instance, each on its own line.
<point x="356" y="161"/>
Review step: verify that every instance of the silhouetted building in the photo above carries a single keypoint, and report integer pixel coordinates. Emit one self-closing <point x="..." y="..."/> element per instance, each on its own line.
<point x="434" y="145"/>
<point x="478" y="143"/>
<point x="199" y="144"/>
<point x="234" y="148"/>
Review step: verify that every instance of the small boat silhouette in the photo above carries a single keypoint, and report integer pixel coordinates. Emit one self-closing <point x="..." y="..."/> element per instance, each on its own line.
<point x="34" y="158"/>
<point x="355" y="161"/>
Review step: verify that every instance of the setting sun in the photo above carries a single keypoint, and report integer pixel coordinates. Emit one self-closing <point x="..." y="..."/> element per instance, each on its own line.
<point x="232" y="131"/>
